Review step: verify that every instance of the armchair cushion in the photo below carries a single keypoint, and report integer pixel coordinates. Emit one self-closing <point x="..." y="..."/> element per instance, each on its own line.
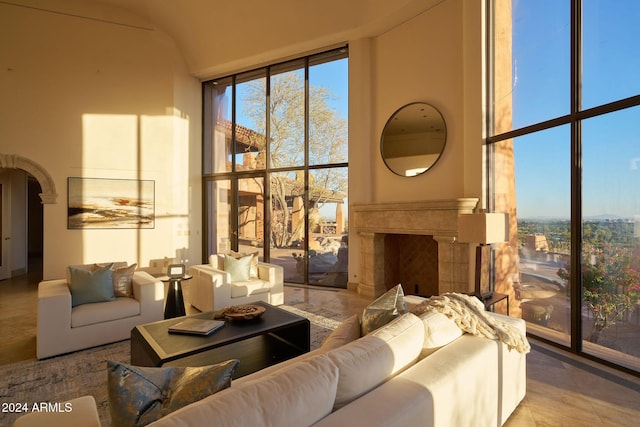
<point x="91" y="286"/>
<point x="89" y="314"/>
<point x="249" y="287"/>
<point x="239" y="268"/>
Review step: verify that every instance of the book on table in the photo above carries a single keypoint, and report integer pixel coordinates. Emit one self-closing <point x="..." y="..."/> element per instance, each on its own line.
<point x="196" y="326"/>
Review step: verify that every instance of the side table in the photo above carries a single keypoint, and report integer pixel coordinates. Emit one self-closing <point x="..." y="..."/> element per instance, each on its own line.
<point x="495" y="298"/>
<point x="174" y="304"/>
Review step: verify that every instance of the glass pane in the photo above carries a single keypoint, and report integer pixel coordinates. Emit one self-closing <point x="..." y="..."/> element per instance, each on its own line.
<point x="611" y="237"/>
<point x="543" y="193"/>
<point x="531" y="62"/>
<point x="251" y="215"/>
<point x="251" y="128"/>
<point x="218" y="202"/>
<point x="328" y="237"/>
<point x="217" y="146"/>
<point x="611" y="53"/>
<point x="287" y="121"/>
<point x="328" y="112"/>
<point x="287" y="224"/>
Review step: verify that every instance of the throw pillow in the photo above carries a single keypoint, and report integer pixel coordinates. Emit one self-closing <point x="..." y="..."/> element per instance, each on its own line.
<point x="348" y="331"/>
<point x="439" y="331"/>
<point x="299" y="395"/>
<point x="253" y="272"/>
<point x="240" y="269"/>
<point x="91" y="286"/>
<point x="139" y="396"/>
<point x="383" y="310"/>
<point x="122" y="281"/>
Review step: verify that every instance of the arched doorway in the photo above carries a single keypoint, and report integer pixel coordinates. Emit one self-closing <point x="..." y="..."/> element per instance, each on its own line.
<point x="31" y="186"/>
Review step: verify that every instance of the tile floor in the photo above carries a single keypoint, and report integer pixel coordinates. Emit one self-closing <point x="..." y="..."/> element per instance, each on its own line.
<point x="562" y="390"/>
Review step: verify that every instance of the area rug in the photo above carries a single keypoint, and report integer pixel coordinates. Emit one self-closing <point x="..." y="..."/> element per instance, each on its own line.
<point x="84" y="372"/>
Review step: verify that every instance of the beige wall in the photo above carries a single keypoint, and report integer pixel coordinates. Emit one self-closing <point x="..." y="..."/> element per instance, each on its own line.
<point x="436" y="57"/>
<point x="84" y="96"/>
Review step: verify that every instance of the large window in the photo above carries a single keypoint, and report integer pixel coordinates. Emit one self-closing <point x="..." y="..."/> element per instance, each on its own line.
<point x="564" y="144"/>
<point x="275" y="166"/>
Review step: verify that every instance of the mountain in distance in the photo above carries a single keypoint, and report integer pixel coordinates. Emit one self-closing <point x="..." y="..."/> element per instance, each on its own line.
<point x="605" y="217"/>
<point x="601" y="217"/>
<point x="543" y="218"/>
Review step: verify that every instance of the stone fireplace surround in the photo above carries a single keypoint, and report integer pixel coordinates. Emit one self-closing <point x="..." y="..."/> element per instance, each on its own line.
<point x="436" y="218"/>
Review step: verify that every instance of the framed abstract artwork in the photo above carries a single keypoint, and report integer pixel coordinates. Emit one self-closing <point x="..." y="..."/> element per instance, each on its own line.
<point x="110" y="203"/>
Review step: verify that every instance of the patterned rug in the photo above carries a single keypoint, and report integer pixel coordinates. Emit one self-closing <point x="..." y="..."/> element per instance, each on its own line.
<point x="84" y="372"/>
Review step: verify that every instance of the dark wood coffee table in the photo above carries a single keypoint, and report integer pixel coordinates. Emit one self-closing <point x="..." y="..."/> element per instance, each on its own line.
<point x="275" y="336"/>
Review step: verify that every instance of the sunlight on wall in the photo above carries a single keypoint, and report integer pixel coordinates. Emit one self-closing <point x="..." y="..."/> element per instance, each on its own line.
<point x="145" y="147"/>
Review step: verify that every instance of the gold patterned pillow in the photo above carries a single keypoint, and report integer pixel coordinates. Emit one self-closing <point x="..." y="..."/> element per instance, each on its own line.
<point x="122" y="278"/>
<point x="139" y="396"/>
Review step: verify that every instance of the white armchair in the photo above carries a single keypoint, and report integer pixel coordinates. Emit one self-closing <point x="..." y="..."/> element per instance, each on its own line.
<point x="63" y="328"/>
<point x="211" y="287"/>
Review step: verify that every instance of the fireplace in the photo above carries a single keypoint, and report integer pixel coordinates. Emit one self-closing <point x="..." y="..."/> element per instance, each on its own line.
<point x="414" y="244"/>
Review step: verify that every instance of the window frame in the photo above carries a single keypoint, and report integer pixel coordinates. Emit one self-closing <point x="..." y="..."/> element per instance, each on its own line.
<point x="574" y="119"/>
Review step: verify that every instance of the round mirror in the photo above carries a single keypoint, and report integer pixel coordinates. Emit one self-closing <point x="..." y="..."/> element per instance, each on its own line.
<point x="413" y="139"/>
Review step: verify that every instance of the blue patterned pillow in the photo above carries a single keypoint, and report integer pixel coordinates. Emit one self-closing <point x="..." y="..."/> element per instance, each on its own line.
<point x="88" y="286"/>
<point x="139" y="396"/>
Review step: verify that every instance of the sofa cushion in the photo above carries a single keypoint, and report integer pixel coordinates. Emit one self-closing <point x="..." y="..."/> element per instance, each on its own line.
<point x="385" y="308"/>
<point x="91" y="286"/>
<point x="348" y="331"/>
<point x="239" y="268"/>
<point x="284" y="398"/>
<point x="138" y="396"/>
<point x="88" y="314"/>
<point x="439" y="331"/>
<point x="249" y="287"/>
<point x="369" y="361"/>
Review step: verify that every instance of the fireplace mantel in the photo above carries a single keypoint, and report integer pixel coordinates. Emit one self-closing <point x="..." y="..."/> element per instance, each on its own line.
<point x="436" y="218"/>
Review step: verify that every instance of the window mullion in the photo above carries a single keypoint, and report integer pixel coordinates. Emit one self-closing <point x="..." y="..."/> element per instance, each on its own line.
<point x="576" y="178"/>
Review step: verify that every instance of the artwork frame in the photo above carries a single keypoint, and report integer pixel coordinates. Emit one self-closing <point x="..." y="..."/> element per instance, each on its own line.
<point x="105" y="203"/>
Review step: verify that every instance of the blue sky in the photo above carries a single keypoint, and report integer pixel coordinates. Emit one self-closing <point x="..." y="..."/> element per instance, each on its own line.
<point x="332" y="75"/>
<point x="541" y="88"/>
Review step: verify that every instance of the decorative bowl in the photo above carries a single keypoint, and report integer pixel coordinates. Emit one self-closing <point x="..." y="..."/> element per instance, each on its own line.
<point x="243" y="312"/>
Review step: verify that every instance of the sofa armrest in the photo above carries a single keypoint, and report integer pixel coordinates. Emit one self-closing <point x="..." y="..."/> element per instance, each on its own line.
<point x="274" y="274"/>
<point x="81" y="411"/>
<point x="149" y="291"/>
<point x="54" y="313"/>
<point x="210" y="288"/>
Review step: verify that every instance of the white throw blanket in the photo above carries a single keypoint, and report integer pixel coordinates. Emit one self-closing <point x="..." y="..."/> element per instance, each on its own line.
<point x="469" y="314"/>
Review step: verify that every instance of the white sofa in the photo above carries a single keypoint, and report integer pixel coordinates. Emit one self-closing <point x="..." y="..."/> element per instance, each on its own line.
<point x="414" y="371"/>
<point x="406" y="373"/>
<point x="63" y="328"/>
<point x="211" y="288"/>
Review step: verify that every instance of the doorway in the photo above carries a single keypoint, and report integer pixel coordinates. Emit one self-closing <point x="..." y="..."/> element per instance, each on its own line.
<point x="21" y="224"/>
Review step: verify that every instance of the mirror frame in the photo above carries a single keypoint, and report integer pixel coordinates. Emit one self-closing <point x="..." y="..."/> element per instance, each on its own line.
<point x="440" y="127"/>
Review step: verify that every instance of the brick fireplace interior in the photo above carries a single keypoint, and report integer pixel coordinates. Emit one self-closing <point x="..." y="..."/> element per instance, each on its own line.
<point x="411" y="260"/>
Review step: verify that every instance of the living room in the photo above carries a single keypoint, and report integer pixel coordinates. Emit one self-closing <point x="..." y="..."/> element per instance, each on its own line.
<point x="113" y="90"/>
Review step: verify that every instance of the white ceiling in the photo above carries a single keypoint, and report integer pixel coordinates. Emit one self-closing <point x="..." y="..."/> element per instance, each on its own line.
<point x="223" y="36"/>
